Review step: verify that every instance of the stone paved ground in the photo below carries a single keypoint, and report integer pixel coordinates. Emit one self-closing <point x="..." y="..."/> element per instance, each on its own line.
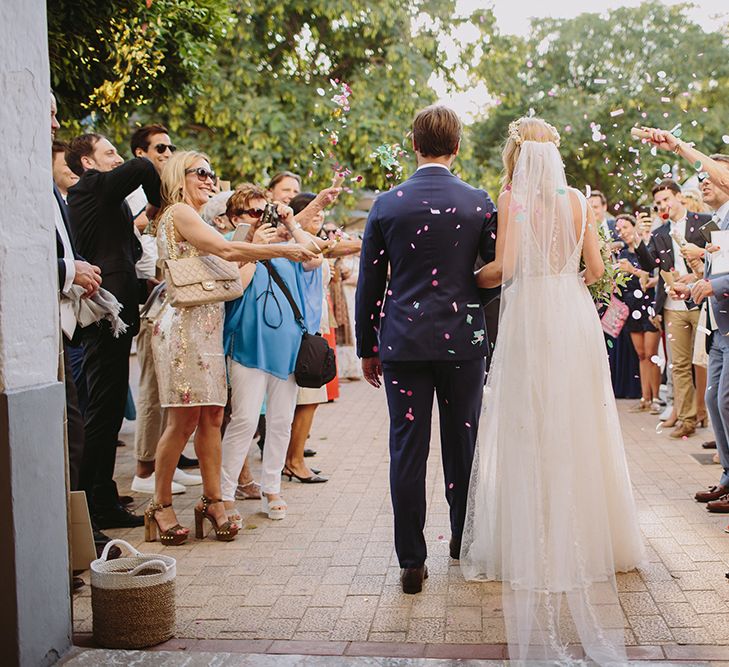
<point x="326" y="577"/>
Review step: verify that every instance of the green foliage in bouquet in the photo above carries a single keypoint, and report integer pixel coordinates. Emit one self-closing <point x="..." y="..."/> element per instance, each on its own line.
<point x="613" y="279"/>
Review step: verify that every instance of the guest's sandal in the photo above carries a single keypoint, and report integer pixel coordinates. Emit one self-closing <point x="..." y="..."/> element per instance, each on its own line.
<point x="171" y="537"/>
<point x="225" y="533"/>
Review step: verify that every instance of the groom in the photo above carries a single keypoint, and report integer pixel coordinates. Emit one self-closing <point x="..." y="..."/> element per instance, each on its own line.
<point x="424" y="330"/>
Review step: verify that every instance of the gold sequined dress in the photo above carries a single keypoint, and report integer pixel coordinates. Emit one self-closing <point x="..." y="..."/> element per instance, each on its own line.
<point x="187" y="343"/>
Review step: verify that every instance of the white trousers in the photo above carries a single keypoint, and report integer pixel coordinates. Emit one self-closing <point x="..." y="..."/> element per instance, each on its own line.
<point x="249" y="386"/>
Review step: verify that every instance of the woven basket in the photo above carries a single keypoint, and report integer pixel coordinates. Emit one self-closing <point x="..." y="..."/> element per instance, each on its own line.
<point x="132" y="598"/>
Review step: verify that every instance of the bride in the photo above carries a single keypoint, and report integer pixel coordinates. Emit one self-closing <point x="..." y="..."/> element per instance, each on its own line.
<point x="550" y="509"/>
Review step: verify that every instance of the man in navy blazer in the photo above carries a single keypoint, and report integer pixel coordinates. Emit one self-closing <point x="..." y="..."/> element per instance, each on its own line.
<point x="423" y="329"/>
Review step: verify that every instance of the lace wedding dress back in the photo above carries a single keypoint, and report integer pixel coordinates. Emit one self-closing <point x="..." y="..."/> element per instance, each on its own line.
<point x="550" y="511"/>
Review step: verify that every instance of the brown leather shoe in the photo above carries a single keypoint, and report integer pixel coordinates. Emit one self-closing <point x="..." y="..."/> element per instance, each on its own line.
<point x="412" y="578"/>
<point x="720" y="506"/>
<point x="714" y="493"/>
<point x="454" y="546"/>
<point x="709" y="444"/>
<point x="685" y="429"/>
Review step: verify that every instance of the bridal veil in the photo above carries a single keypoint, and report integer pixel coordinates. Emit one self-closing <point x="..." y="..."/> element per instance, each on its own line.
<point x="550" y="510"/>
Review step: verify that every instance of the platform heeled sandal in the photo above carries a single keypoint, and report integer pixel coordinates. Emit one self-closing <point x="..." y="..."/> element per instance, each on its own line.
<point x="171" y="537"/>
<point x="224" y="533"/>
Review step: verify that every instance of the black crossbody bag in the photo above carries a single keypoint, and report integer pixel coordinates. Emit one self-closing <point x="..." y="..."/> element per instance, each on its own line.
<point x="315" y="363"/>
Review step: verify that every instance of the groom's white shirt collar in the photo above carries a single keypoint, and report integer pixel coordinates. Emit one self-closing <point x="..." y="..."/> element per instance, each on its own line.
<point x="433" y="164"/>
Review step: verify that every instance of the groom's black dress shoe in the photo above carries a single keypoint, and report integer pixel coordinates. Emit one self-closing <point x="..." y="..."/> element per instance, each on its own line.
<point x="411" y="579"/>
<point x="455" y="548"/>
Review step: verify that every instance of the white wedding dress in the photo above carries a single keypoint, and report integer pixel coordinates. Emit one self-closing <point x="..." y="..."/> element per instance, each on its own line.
<point x="550" y="511"/>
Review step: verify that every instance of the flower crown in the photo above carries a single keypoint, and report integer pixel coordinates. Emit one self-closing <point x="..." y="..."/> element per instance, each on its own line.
<point x="519" y="140"/>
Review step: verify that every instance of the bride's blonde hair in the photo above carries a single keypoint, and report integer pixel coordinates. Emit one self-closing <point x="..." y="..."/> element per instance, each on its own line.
<point x="524" y="129"/>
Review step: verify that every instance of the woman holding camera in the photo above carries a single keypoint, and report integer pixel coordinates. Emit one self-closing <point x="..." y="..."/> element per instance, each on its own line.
<point x="262" y="340"/>
<point x="187" y="344"/>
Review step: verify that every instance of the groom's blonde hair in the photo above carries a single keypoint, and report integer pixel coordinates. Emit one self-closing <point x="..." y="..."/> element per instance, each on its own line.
<point x="524" y="129"/>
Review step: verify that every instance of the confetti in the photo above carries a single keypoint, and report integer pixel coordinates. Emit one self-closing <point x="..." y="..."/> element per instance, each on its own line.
<point x="617" y="112"/>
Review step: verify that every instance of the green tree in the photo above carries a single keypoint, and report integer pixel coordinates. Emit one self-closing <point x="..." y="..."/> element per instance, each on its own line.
<point x="595" y="77"/>
<point x="110" y="58"/>
<point x="265" y="104"/>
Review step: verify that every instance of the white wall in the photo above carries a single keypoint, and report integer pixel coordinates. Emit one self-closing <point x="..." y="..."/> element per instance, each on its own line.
<point x="28" y="275"/>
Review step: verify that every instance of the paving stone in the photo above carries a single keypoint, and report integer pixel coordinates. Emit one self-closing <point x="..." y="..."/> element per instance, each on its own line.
<point x="319" y="619"/>
<point x="329" y="571"/>
<point x="638" y="604"/>
<point x="650" y="629"/>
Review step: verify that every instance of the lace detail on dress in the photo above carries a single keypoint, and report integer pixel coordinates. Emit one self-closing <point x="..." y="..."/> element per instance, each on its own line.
<point x="187" y="342"/>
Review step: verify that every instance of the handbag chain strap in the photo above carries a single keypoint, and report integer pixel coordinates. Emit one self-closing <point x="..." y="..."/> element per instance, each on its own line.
<point x="284" y="288"/>
<point x="170" y="233"/>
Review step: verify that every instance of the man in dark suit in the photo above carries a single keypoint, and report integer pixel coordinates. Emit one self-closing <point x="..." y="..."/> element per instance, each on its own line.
<point x="72" y="270"/>
<point x="681" y="320"/>
<point x="424" y="331"/>
<point x="103" y="231"/>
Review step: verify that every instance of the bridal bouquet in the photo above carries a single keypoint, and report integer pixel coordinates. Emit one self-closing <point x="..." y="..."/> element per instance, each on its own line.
<point x="613" y="280"/>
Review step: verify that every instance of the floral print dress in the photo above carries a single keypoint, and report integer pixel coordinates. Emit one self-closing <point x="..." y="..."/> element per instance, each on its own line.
<point x="187" y="343"/>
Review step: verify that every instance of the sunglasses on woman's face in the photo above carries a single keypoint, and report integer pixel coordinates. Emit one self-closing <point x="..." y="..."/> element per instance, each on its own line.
<point x="203" y="174"/>
<point x="253" y="212"/>
<point x="162" y="148"/>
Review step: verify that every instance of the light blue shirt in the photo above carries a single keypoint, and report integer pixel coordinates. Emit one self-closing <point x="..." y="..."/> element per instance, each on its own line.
<point x="260" y="330"/>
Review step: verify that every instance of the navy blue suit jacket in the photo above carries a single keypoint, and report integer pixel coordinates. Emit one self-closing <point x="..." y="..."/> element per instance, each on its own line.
<point x="428" y="232"/>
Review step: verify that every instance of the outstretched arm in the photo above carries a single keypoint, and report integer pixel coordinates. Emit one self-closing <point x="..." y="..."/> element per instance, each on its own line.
<point x="663" y="139"/>
<point x="193" y="229"/>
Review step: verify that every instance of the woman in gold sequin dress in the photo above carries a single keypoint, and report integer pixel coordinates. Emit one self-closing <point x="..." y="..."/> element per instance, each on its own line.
<point x="188" y="351"/>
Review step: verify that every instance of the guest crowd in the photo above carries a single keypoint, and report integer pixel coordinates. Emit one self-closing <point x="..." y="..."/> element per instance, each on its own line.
<point x="676" y="302"/>
<point x="220" y="373"/>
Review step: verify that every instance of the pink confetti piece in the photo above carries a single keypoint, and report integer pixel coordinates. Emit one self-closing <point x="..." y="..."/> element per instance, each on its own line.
<point x="450" y="486"/>
<point x="455" y="306"/>
<point x="447" y="336"/>
<point x="399" y="193"/>
<point x="468" y="425"/>
<point x="434" y="283"/>
<point x="435" y="211"/>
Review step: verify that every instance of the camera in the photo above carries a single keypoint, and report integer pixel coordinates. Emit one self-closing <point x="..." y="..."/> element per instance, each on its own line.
<point x="270" y="215"/>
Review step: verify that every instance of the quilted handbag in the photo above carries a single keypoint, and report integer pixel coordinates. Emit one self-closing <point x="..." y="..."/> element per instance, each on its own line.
<point x="195" y="281"/>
